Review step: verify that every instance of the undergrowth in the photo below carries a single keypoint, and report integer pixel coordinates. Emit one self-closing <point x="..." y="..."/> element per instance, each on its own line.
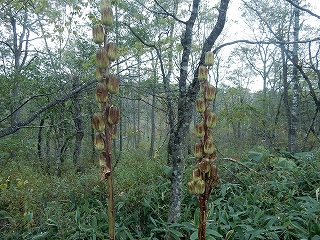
<point x="262" y="196"/>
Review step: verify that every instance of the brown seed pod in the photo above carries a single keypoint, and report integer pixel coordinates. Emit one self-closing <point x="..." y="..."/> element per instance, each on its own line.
<point x="210" y="93"/>
<point x="196" y="174"/>
<point x="191" y="186"/>
<point x="105" y="4"/>
<point x="113" y="84"/>
<point x="112" y="51"/>
<point x="198" y="150"/>
<point x="200" y="105"/>
<point x="209" y="147"/>
<point x="102" y="160"/>
<point x="214" y="176"/>
<point x="203" y="73"/>
<point x="99" y="142"/>
<point x="98" y="34"/>
<point x="209" y="59"/>
<point x="211" y="120"/>
<point x="99" y="74"/>
<point x="101" y="93"/>
<point x="114" y="115"/>
<point x="102" y="59"/>
<point x="200" y="130"/>
<point x="98" y="122"/>
<point x="114" y="132"/>
<point x="199" y="186"/>
<point x="107" y="16"/>
<point x="204" y="166"/>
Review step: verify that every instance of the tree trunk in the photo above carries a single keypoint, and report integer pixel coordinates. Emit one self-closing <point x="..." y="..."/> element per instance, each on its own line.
<point x="153" y="125"/>
<point x="78" y="122"/>
<point x="295" y="90"/>
<point x="40" y="140"/>
<point x="187" y="95"/>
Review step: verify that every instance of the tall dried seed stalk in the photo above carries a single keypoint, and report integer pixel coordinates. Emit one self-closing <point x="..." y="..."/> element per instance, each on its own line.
<point x="205" y="176"/>
<point x="104" y="122"/>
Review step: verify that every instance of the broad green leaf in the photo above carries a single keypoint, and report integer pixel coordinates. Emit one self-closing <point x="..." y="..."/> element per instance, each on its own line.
<point x="214" y="233"/>
<point x="255" y="156"/>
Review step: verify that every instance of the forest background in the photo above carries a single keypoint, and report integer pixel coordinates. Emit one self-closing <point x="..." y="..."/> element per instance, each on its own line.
<point x="267" y="138"/>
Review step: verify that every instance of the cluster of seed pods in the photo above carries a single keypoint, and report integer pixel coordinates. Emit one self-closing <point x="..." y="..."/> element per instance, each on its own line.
<point x="205" y="177"/>
<point x="104" y="122"/>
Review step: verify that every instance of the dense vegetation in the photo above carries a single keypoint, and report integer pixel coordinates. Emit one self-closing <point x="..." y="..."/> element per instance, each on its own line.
<point x="261" y="196"/>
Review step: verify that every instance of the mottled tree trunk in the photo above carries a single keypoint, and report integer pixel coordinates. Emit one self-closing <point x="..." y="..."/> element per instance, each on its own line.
<point x="187" y="94"/>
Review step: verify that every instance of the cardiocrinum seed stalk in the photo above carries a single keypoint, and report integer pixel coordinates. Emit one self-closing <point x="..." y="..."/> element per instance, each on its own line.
<point x="205" y="176"/>
<point x="104" y="122"/>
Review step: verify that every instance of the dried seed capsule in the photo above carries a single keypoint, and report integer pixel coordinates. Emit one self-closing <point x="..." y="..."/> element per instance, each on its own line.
<point x="104" y="4"/>
<point x="191" y="186"/>
<point x="102" y="59"/>
<point x="101" y="93"/>
<point x="203" y="73"/>
<point x="113" y="84"/>
<point x="98" y="34"/>
<point x="98" y="122"/>
<point x="210" y="134"/>
<point x="99" y="142"/>
<point x="199" y="187"/>
<point x="211" y="120"/>
<point x="99" y="74"/>
<point x="210" y="93"/>
<point x="209" y="147"/>
<point x="214" y="176"/>
<point x="209" y="59"/>
<point x="202" y="87"/>
<point x="197" y="150"/>
<point x="112" y="51"/>
<point x="200" y="105"/>
<point x="113" y="115"/>
<point x="200" y="130"/>
<point x="196" y="174"/>
<point x="107" y="16"/>
<point x="204" y="166"/>
<point x="102" y="159"/>
<point x="114" y="132"/>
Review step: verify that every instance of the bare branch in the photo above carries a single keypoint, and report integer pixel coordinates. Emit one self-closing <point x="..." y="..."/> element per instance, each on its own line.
<point x="13" y="128"/>
<point x="264" y="42"/>
<point x="303" y="9"/>
<point x="169" y="14"/>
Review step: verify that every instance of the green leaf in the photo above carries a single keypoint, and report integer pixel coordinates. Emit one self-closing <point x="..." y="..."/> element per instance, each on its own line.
<point x="194" y="236"/>
<point x="213" y="233"/>
<point x="94" y="222"/>
<point x="255" y="156"/>
<point x="40" y="236"/>
<point x="176" y="234"/>
<point x="28" y="217"/>
<point x="153" y="221"/>
<point x="229" y="234"/>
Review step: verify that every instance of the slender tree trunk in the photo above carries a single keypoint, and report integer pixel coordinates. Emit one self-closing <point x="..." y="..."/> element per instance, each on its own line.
<point x="153" y="125"/>
<point x="79" y="126"/>
<point x="40" y="139"/>
<point x="295" y="91"/>
<point x="286" y="91"/>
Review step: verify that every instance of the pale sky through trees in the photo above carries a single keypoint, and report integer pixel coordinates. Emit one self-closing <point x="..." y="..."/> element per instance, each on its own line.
<point x="237" y="29"/>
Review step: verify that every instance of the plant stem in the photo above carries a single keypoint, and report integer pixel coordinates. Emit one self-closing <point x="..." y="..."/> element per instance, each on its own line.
<point x="203" y="213"/>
